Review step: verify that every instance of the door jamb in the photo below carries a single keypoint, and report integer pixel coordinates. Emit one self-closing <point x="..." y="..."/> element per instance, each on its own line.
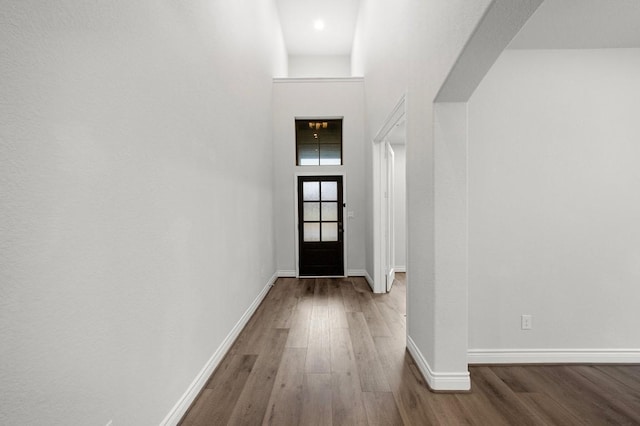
<point x="397" y="114"/>
<point x="389" y="223"/>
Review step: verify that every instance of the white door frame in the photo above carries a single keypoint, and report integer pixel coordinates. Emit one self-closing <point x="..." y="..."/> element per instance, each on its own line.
<point x="296" y="221"/>
<point x="379" y="203"/>
<point x="389" y="223"/>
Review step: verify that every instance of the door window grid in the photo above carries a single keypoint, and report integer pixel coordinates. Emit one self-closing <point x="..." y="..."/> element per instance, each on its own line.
<point x="320" y="211"/>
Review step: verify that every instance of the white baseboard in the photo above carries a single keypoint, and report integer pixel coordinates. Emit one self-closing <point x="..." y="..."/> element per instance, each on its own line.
<point x="401" y="268"/>
<point x="286" y="273"/>
<point x="448" y="381"/>
<point x="181" y="407"/>
<point x="360" y="273"/>
<point x="553" y="356"/>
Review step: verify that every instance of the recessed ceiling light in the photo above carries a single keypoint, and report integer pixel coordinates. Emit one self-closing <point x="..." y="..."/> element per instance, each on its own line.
<point x="318" y="24"/>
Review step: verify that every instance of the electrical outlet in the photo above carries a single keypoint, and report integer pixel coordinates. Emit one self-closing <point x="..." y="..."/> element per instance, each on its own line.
<point x="526" y="322"/>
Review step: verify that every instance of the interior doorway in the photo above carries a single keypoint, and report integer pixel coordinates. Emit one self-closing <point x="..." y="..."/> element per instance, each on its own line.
<point x="389" y="191"/>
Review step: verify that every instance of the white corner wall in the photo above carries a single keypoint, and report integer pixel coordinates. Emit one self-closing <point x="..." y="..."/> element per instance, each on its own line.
<point x="383" y="57"/>
<point x="318" y="98"/>
<point x="136" y="199"/>
<point x="433" y="36"/>
<point x="413" y="56"/>
<point x="554" y="207"/>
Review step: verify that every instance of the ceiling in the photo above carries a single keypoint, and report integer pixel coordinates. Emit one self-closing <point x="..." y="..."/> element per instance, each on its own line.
<point x="297" y="18"/>
<point x="557" y="24"/>
<point x="581" y="24"/>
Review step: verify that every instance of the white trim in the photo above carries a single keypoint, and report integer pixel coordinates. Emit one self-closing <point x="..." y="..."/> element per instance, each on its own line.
<point x="344" y="216"/>
<point x="183" y="404"/>
<point x="318" y="80"/>
<point x="286" y="273"/>
<point x="397" y="114"/>
<point x="321" y="276"/>
<point x="554" y="356"/>
<point x="361" y="273"/>
<point x="401" y="268"/>
<point x="394" y="117"/>
<point x="447" y="381"/>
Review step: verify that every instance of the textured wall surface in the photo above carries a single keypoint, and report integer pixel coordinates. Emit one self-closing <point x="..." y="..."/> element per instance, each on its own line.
<point x="136" y="202"/>
<point x="554" y="205"/>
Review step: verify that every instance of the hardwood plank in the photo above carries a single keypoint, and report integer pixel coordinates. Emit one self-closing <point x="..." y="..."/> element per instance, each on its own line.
<point x="603" y="383"/>
<point x="411" y="396"/>
<point x="377" y="326"/>
<point x="307" y="288"/>
<point x="350" y="298"/>
<point x="253" y="401"/>
<point x="391" y="352"/>
<point x="582" y="404"/>
<point x="319" y="348"/>
<point x="337" y="313"/>
<point x="499" y="395"/>
<point x="628" y="375"/>
<point x="346" y="402"/>
<point x="321" y="292"/>
<point x="475" y="407"/>
<point x="448" y="409"/>
<point x="381" y="409"/>
<point x="361" y="285"/>
<point x="285" y="312"/>
<point x="299" y="330"/>
<point x="624" y="407"/>
<point x="516" y="378"/>
<point x="372" y="377"/>
<point x="317" y="400"/>
<point x="222" y="391"/>
<point x="285" y="404"/>
<point x="548" y="410"/>
<point x="395" y="321"/>
<point x="342" y="356"/>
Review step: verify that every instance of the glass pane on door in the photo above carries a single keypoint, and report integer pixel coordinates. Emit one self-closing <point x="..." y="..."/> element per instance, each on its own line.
<point x="330" y="231"/>
<point x="312" y="211"/>
<point x="329" y="211"/>
<point x="329" y="191"/>
<point x="311" y="231"/>
<point x="311" y="191"/>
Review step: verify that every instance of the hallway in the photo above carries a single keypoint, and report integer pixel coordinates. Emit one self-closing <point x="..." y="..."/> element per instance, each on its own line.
<point x="328" y="351"/>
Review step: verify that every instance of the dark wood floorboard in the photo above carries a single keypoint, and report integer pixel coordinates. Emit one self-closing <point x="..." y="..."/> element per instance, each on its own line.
<point x="330" y="352"/>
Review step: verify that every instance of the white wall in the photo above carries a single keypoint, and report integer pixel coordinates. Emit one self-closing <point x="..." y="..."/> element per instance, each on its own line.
<point x="381" y="56"/>
<point x="400" y="200"/>
<point x="414" y="54"/>
<point x="136" y="199"/>
<point x="319" y="66"/>
<point x="318" y="98"/>
<point x="553" y="198"/>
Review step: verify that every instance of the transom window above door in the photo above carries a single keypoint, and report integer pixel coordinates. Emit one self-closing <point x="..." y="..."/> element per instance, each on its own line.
<point x="319" y="142"/>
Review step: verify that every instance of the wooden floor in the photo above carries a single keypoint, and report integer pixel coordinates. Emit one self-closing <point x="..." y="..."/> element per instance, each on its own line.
<point x="328" y="351"/>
